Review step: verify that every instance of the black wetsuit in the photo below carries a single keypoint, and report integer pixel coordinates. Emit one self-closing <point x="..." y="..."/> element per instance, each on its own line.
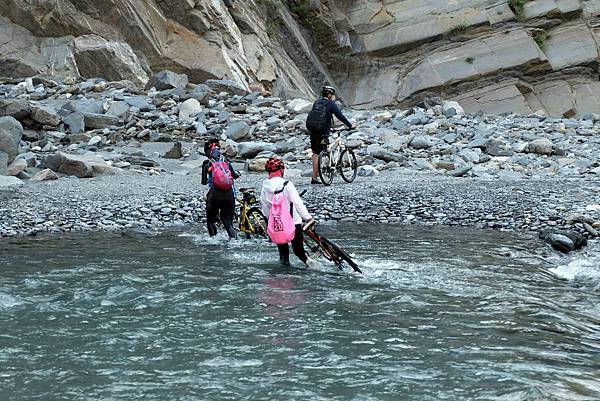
<point x="219" y="204"/>
<point x="319" y="140"/>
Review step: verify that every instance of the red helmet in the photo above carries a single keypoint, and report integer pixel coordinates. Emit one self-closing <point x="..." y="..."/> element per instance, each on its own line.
<point x="274" y="164"/>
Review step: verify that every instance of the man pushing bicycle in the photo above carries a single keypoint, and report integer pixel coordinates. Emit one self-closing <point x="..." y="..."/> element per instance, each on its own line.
<point x="318" y="123"/>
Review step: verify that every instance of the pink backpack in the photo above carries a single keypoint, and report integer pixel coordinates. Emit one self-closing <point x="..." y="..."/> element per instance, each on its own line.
<point x="281" y="226"/>
<point x="222" y="178"/>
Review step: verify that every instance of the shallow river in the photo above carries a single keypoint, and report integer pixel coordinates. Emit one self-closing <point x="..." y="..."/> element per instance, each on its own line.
<point x="439" y="314"/>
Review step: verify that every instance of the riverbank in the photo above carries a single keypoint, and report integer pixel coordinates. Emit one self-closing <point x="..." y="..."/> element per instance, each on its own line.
<point x="137" y="201"/>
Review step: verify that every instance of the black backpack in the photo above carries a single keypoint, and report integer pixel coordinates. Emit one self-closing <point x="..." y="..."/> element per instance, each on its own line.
<point x="316" y="121"/>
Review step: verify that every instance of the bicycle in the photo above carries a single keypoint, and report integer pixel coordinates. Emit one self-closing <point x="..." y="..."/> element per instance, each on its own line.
<point x="251" y="219"/>
<point x="319" y="245"/>
<point x="337" y="157"/>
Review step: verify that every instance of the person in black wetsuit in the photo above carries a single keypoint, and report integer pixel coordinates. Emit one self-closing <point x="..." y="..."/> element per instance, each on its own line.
<point x="320" y="140"/>
<point x="219" y="204"/>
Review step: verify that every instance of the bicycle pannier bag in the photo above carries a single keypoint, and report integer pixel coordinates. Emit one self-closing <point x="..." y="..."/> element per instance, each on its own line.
<point x="281" y="226"/>
<point x="316" y="121"/>
<point x="222" y="178"/>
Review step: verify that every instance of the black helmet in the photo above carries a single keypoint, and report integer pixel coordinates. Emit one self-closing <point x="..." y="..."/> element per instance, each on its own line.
<point x="327" y="90"/>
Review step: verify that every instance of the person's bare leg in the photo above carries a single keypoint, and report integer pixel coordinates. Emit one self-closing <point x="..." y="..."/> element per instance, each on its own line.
<point x="315" y="161"/>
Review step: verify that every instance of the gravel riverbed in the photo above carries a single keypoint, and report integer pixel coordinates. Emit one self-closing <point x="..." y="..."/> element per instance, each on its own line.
<point x="136" y="201"/>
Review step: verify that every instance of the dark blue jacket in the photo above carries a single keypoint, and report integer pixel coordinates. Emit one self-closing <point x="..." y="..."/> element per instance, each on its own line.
<point x="334" y="110"/>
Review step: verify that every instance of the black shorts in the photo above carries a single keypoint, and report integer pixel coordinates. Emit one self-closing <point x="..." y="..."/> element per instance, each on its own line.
<point x="318" y="142"/>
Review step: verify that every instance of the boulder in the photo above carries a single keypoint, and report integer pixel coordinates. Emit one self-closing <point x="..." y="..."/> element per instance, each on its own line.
<point x="563" y="241"/>
<point x="379" y="152"/>
<point x="75" y="122"/>
<point x="190" y="107"/>
<point x="44" y="175"/>
<point x="95" y="140"/>
<point x="421" y="142"/>
<point x="201" y="93"/>
<point x="45" y="116"/>
<point x="237" y="130"/>
<point x="249" y="150"/>
<point x="8" y="183"/>
<point x="174" y="153"/>
<point x="225" y="85"/>
<point x="82" y="166"/>
<point x="452" y="108"/>
<point x="541" y="146"/>
<point x="167" y="80"/>
<point x="3" y="163"/>
<point x="367" y="171"/>
<point x="101" y="121"/>
<point x="112" y="60"/>
<point x="11" y="132"/>
<point x="299" y="106"/>
<point x="119" y="109"/>
<point x="17" y="108"/>
<point x="16" y="167"/>
<point x="256" y="165"/>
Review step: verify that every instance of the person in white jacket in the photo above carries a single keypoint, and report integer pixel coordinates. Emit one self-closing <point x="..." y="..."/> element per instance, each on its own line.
<point x="275" y="168"/>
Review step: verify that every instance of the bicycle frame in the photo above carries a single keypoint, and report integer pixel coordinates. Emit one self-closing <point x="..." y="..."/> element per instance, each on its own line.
<point x="245" y="224"/>
<point x="335" y="149"/>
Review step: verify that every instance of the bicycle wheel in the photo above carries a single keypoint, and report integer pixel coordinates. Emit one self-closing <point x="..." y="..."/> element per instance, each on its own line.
<point x="339" y="256"/>
<point x="348" y="165"/>
<point x="313" y="246"/>
<point x="325" y="170"/>
<point x="257" y="221"/>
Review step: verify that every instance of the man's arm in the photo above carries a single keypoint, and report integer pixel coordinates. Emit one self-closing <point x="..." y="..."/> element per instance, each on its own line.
<point x="336" y="112"/>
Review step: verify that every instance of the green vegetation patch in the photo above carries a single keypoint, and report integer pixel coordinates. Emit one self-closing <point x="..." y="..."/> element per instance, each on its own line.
<point x="517" y="7"/>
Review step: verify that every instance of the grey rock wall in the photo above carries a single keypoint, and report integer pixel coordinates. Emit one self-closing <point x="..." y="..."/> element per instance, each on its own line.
<point x="490" y="54"/>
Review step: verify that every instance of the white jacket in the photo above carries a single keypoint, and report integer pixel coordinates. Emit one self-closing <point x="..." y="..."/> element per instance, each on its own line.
<point x="290" y="194"/>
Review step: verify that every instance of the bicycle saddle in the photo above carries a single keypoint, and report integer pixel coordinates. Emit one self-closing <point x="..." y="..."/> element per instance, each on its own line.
<point x="246" y="190"/>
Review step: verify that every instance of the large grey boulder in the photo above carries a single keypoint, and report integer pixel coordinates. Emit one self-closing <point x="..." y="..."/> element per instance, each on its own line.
<point x="82" y="166"/>
<point x="11" y="132"/>
<point x="541" y="146"/>
<point x="118" y="109"/>
<point x="76" y="122"/>
<point x="3" y="163"/>
<point x="16" y="167"/>
<point x="8" y="183"/>
<point x="299" y="106"/>
<point x="237" y="130"/>
<point x="248" y="150"/>
<point x="379" y="152"/>
<point x="45" y="116"/>
<point x="17" y="108"/>
<point x="189" y="108"/>
<point x="167" y="80"/>
<point x="225" y="85"/>
<point x="201" y="93"/>
<point x="114" y="61"/>
<point x="101" y="121"/>
<point x="421" y="142"/>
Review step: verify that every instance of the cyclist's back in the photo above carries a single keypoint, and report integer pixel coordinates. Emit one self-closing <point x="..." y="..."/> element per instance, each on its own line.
<point x="319" y="121"/>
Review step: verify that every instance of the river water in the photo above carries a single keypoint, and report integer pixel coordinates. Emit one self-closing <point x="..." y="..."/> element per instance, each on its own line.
<point x="439" y="314"/>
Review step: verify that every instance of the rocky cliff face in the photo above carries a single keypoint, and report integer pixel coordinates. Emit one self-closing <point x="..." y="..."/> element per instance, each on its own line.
<point x="493" y="56"/>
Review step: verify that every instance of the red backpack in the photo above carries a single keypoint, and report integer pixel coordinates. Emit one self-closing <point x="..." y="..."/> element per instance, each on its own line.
<point x="222" y="179"/>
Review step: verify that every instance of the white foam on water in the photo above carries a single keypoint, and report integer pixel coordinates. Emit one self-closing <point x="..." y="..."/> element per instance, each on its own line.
<point x="581" y="267"/>
<point x="587" y="268"/>
<point x="8" y="301"/>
